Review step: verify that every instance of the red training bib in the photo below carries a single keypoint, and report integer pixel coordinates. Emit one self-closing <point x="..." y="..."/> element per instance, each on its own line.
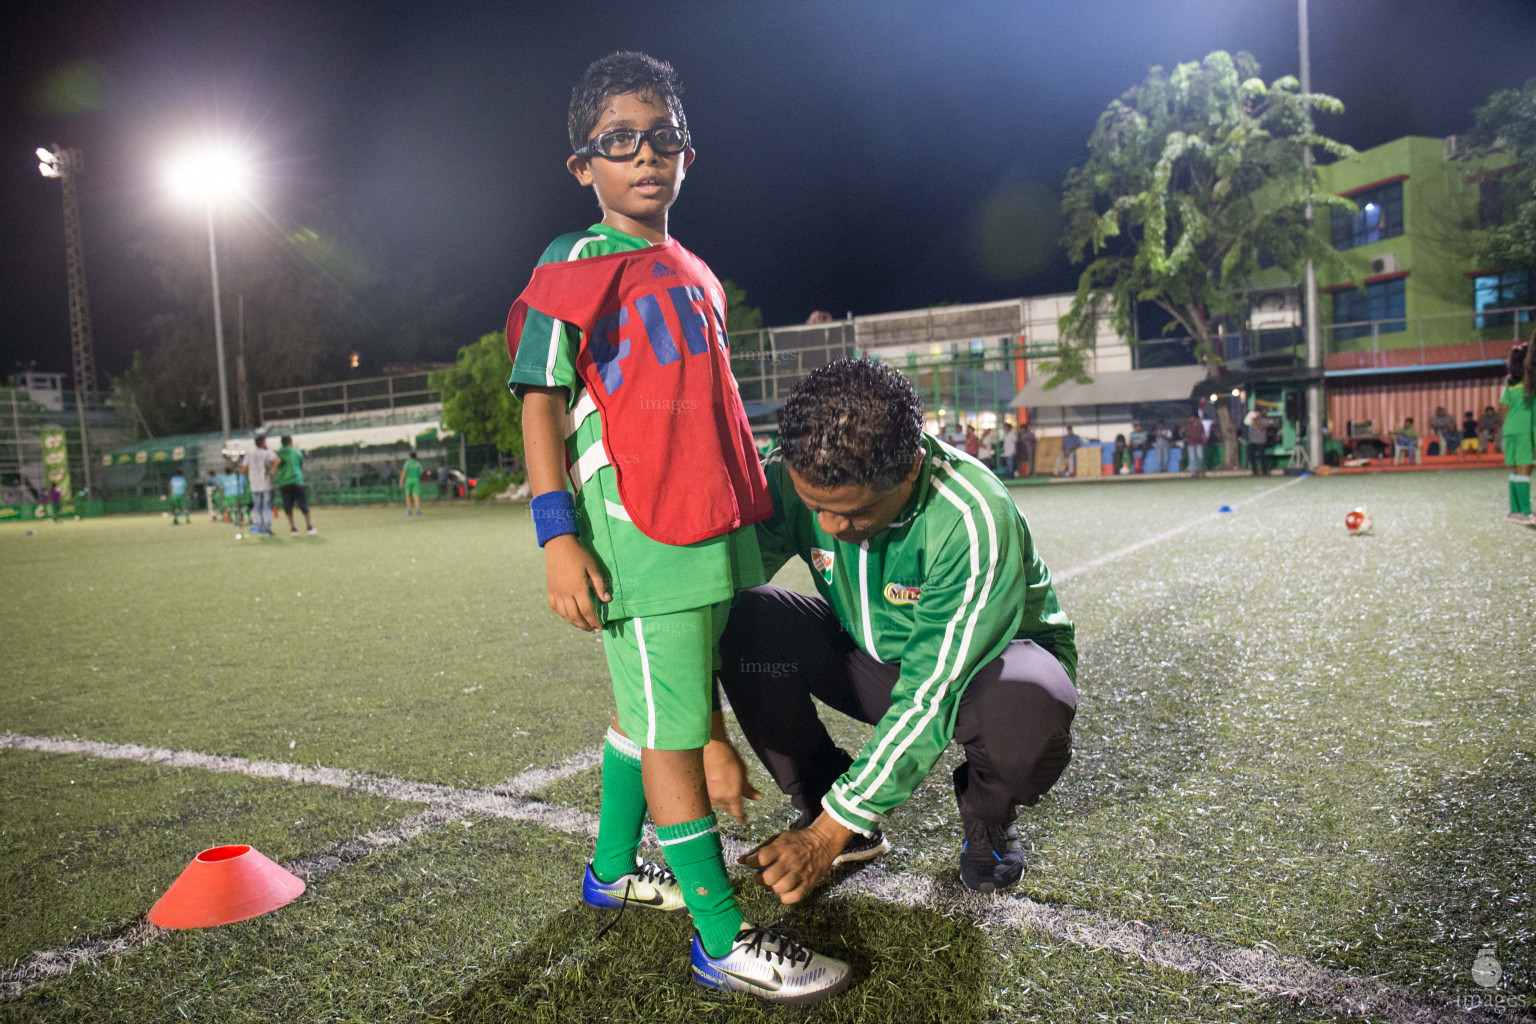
<point x="655" y="360"/>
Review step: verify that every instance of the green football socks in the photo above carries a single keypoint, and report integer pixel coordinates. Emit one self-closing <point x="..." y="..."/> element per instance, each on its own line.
<point x="1520" y="494"/>
<point x="694" y="854"/>
<point x="623" y="811"/>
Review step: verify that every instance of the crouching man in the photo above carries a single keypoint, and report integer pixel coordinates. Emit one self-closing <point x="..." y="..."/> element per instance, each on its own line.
<point x="936" y="621"/>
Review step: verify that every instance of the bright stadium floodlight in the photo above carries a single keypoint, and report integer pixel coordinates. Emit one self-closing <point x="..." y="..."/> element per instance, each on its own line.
<point x="210" y="174"/>
<point x="48" y="163"/>
<point x="207" y="173"/>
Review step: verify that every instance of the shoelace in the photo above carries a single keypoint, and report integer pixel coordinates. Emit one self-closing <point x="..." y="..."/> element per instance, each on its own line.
<point x="655" y="874"/>
<point x="994" y="836"/>
<point x="789" y="952"/>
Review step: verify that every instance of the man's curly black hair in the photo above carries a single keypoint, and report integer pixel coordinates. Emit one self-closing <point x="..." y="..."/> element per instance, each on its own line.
<point x="855" y="421"/>
<point x="619" y="74"/>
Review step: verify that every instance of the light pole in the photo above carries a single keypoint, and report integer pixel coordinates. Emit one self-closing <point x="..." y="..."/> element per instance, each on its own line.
<point x="1314" y="339"/>
<point x="66" y="164"/>
<point x="211" y="174"/>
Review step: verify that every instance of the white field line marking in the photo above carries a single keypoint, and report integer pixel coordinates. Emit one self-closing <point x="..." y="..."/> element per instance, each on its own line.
<point x="538" y="778"/>
<point x="1094" y="563"/>
<point x="1250" y="968"/>
<point x="445" y="806"/>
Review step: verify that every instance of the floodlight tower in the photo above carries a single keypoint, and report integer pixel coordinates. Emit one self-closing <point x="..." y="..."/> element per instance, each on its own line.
<point x="65" y="163"/>
<point x="211" y="174"/>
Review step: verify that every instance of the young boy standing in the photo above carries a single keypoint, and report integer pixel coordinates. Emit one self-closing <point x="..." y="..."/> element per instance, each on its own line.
<point x="234" y="497"/>
<point x="410" y="481"/>
<point x="619" y="355"/>
<point x="179" y="499"/>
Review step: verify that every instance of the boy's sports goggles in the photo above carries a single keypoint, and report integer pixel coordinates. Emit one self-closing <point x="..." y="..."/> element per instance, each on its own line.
<point x="623" y="143"/>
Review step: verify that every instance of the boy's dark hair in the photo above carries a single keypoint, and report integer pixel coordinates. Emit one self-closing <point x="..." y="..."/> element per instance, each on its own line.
<point x="619" y="74"/>
<point x="287" y="441"/>
<point x="413" y="455"/>
<point x="1517" y="363"/>
<point x="855" y="422"/>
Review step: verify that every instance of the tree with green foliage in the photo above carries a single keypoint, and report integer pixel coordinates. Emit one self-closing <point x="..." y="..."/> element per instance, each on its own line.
<point x="476" y="401"/>
<point x="740" y="318"/>
<point x="1191" y="176"/>
<point x="1507" y="124"/>
<point x="310" y="299"/>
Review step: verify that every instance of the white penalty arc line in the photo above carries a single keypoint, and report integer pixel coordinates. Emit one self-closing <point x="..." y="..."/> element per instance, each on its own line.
<point x="1130" y="549"/>
<point x="1245" y="967"/>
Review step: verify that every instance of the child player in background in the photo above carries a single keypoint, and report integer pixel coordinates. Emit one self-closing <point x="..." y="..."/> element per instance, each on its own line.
<point x="619" y="355"/>
<point x="179" y="499"/>
<point x="246" y="499"/>
<point x="234" y="500"/>
<point x="1518" y="425"/>
<point x="410" y="481"/>
<point x="213" y="493"/>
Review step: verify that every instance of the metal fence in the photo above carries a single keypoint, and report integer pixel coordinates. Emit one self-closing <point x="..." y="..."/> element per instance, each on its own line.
<point x="344" y="397"/>
<point x="24" y="418"/>
<point x="959" y="357"/>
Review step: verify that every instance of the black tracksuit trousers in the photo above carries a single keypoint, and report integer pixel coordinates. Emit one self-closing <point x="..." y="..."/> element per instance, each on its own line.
<point x="780" y="649"/>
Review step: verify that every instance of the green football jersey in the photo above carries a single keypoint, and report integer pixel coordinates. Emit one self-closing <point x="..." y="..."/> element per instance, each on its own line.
<point x="941" y="591"/>
<point x="646" y="577"/>
<point x="292" y="470"/>
<point x="412" y="472"/>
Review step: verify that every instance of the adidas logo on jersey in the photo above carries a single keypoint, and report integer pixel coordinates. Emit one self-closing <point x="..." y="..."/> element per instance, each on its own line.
<point x="662" y="270"/>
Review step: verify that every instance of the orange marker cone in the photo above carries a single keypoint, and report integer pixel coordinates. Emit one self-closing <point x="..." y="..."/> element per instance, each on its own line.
<point x="224" y="885"/>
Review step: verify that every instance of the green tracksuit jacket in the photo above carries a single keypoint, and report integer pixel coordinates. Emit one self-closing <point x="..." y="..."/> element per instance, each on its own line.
<point x="941" y="591"/>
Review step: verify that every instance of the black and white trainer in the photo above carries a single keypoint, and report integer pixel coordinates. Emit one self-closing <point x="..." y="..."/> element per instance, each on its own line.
<point x="771" y="966"/>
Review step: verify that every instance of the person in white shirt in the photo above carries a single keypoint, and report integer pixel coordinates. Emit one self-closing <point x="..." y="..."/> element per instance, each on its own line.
<point x="1010" y="466"/>
<point x="257" y="464"/>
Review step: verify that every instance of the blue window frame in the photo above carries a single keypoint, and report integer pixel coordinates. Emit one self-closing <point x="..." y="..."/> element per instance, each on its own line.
<point x="1501" y="291"/>
<point x="1385" y="301"/>
<point x="1380" y="216"/>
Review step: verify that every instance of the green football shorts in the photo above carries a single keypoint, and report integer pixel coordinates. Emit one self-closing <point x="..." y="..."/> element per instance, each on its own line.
<point x="1517" y="449"/>
<point x="663" y="670"/>
<point x="412" y="489"/>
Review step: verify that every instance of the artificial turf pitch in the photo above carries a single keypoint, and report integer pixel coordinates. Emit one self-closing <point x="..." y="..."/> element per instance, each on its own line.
<point x="1289" y="739"/>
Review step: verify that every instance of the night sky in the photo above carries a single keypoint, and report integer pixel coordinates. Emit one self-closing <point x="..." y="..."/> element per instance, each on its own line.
<point x="851" y="155"/>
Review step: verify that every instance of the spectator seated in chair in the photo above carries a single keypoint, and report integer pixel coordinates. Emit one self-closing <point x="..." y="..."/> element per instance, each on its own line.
<point x="1443" y="424"/>
<point x="1468" y="432"/>
<point x="1405" y="443"/>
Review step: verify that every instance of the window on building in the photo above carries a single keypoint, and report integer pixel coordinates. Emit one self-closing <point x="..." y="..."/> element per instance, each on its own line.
<point x="1503" y="291"/>
<point x="1385" y="302"/>
<point x="1379" y="217"/>
<point x="1490" y="201"/>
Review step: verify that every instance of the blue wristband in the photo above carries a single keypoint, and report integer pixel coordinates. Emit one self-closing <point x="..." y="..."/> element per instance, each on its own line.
<point x="554" y="513"/>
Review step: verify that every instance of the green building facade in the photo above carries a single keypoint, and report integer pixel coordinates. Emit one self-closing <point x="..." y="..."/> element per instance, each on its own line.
<point x="1410" y="246"/>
